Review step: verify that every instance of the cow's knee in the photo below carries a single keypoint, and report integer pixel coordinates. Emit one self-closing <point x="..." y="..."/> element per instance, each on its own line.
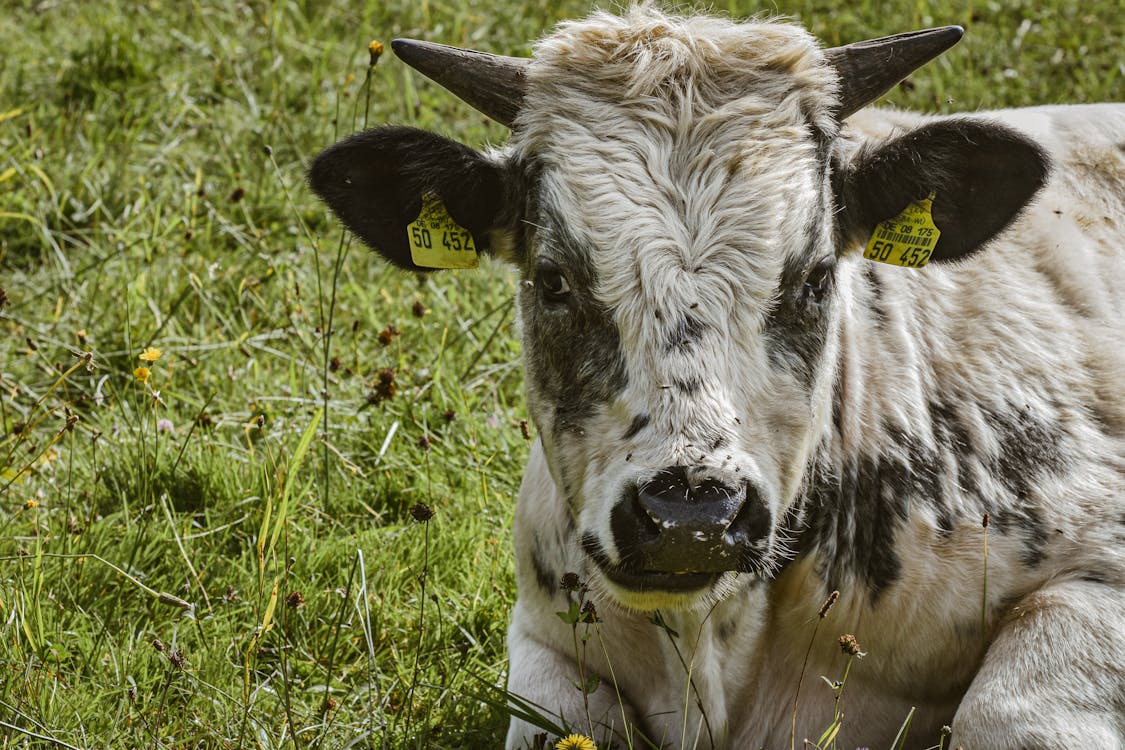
<point x="1053" y="677"/>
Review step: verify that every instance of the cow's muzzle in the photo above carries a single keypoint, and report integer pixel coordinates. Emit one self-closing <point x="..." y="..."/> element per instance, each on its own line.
<point x="673" y="534"/>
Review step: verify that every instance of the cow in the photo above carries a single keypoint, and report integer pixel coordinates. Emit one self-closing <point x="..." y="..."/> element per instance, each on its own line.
<point x="754" y="436"/>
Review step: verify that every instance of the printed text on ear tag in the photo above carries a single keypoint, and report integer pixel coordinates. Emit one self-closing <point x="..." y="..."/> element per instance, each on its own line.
<point x="437" y="241"/>
<point x="906" y="240"/>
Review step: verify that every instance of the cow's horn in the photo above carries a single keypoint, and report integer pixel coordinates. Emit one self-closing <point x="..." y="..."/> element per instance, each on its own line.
<point x="869" y="69"/>
<point x="492" y="84"/>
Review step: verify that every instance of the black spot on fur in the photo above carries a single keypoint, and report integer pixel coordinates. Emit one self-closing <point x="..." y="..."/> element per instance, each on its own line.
<point x="544" y="576"/>
<point x="878" y="311"/>
<point x="1030" y="446"/>
<point x="572" y="351"/>
<point x="1094" y="576"/>
<point x="639" y="423"/>
<point x="855" y="512"/>
<point x="796" y="327"/>
<point x="685" y="335"/>
<point x="958" y="457"/>
<point x="689" y="386"/>
<point x="724" y="632"/>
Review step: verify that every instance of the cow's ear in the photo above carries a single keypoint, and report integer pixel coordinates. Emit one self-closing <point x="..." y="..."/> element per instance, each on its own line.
<point x="375" y="181"/>
<point x="981" y="175"/>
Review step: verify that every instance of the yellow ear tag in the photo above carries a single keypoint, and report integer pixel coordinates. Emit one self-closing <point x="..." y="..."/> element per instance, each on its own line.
<point x="437" y="241"/>
<point x="908" y="239"/>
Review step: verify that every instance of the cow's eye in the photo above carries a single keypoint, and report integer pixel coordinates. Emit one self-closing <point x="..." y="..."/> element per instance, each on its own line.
<point x="819" y="280"/>
<point x="551" y="280"/>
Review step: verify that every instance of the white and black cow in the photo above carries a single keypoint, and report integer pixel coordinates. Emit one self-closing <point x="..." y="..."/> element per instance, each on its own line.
<point x="740" y="414"/>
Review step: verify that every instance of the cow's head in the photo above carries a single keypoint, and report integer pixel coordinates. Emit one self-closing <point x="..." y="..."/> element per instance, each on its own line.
<point x="678" y="205"/>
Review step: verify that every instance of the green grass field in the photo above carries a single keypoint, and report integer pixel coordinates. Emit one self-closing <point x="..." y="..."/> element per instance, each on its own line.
<point x="224" y="555"/>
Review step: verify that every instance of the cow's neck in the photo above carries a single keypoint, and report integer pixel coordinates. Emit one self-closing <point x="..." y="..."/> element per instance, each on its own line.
<point x="868" y="469"/>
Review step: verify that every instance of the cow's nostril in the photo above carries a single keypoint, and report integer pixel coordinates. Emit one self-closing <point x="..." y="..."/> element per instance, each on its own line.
<point x="646" y="524"/>
<point x="752" y="522"/>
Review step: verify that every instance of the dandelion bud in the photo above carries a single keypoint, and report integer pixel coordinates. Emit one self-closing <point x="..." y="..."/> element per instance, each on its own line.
<point x="375" y="50"/>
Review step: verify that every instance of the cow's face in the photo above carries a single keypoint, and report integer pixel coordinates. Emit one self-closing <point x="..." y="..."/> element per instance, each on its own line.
<point x="673" y="199"/>
<point x="676" y="309"/>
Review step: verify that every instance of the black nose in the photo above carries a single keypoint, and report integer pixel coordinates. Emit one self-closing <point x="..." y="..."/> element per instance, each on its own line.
<point x="669" y="525"/>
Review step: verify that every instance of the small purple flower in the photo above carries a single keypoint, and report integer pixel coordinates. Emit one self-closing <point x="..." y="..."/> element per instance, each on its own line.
<point x="165" y="425"/>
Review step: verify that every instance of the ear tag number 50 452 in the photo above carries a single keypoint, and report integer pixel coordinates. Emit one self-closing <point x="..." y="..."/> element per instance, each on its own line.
<point x="437" y="241"/>
<point x="906" y="240"/>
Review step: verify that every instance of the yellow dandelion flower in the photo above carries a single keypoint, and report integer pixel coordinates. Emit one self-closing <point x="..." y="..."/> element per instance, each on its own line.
<point x="576" y="742"/>
<point x="30" y="504"/>
<point x="141" y="374"/>
<point x="375" y="51"/>
<point x="150" y="354"/>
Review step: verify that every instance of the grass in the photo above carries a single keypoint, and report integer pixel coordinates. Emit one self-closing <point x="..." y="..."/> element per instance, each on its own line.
<point x="225" y="555"/>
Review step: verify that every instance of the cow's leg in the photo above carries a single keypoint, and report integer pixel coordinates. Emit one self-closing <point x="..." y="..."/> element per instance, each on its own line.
<point x="544" y="675"/>
<point x="1054" y="677"/>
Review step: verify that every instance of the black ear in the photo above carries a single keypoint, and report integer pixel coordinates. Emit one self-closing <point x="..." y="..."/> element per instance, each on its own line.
<point x="374" y="181"/>
<point x="981" y="175"/>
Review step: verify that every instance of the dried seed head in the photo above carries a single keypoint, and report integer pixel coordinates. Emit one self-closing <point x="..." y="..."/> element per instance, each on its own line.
<point x="850" y="646"/>
<point x="384" y="389"/>
<point x="986" y="520"/>
<point x="589" y="612"/>
<point x="421" y="512"/>
<point x="570" y="582"/>
<point x="295" y="600"/>
<point x="4" y="301"/>
<point x="419" y="309"/>
<point x="388" y="334"/>
<point x="828" y="604"/>
<point x="525" y="430"/>
<point x="424" y="442"/>
<point x="158" y="645"/>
